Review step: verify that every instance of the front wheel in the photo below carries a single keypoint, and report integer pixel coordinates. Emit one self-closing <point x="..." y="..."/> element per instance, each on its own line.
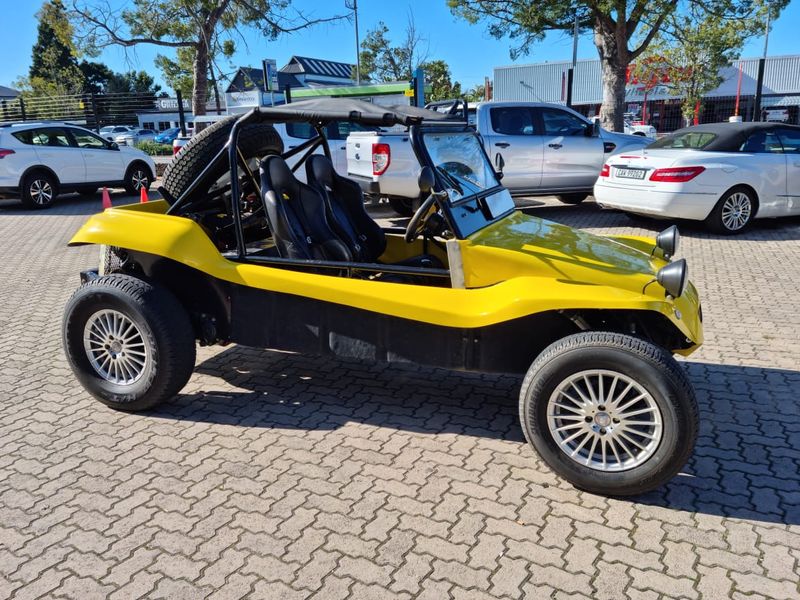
<point x="610" y="413"/>
<point x="129" y="343"/>
<point x="572" y="198"/>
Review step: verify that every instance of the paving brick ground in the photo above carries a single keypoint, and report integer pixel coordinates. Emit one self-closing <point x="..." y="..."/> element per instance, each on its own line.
<point x="282" y="476"/>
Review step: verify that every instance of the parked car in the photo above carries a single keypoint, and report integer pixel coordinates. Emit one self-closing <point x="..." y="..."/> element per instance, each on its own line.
<point x="168" y="135"/>
<point x="259" y="258"/>
<point x="544" y="148"/>
<point x="725" y="174"/>
<point x="135" y="137"/>
<point x="38" y="161"/>
<point x="109" y="132"/>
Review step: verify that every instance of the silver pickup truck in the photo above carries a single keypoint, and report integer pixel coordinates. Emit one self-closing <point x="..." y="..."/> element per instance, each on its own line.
<point x="546" y="149"/>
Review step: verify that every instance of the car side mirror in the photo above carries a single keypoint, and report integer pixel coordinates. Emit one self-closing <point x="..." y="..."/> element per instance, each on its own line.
<point x="426" y="180"/>
<point x="113" y="145"/>
<point x="499" y="163"/>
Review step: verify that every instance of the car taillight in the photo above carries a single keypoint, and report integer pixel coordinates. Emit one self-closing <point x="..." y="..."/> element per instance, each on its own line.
<point x="5" y="152"/>
<point x="605" y="171"/>
<point x="175" y="150"/>
<point x="676" y="174"/>
<point x="381" y="157"/>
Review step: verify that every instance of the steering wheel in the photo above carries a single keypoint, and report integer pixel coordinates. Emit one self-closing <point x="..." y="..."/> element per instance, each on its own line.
<point x="418" y="220"/>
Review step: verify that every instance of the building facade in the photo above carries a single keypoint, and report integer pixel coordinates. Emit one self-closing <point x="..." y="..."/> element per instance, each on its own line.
<point x="546" y="82"/>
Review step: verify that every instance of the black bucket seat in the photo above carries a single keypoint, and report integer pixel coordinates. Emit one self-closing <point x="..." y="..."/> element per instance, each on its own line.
<point x="297" y="215"/>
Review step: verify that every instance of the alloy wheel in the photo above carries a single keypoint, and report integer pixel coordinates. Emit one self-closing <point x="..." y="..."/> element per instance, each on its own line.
<point x="604" y="420"/>
<point x="139" y="179"/>
<point x="736" y="211"/>
<point x="115" y="347"/>
<point x="41" y="192"/>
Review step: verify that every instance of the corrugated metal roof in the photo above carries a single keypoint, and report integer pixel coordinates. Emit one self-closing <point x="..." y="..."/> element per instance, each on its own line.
<point x="318" y="66"/>
<point x="546" y="82"/>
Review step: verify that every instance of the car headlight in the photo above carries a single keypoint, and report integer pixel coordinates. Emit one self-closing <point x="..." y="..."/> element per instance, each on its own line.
<point x="674" y="277"/>
<point x="668" y="241"/>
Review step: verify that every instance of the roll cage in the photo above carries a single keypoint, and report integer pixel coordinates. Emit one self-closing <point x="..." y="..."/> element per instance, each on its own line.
<point x="464" y="216"/>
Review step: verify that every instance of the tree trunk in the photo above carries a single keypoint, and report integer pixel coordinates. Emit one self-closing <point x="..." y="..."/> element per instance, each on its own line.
<point x="200" y="90"/>
<point x="612" y="47"/>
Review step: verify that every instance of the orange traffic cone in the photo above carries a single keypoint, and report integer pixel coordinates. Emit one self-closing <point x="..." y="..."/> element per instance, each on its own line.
<point x="143" y="194"/>
<point x="106" y="199"/>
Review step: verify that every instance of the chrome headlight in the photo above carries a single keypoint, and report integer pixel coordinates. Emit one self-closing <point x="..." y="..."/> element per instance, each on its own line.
<point x="668" y="241"/>
<point x="674" y="277"/>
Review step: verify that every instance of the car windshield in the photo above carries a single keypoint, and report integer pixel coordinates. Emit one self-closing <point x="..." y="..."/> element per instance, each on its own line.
<point x="694" y="140"/>
<point x="461" y="163"/>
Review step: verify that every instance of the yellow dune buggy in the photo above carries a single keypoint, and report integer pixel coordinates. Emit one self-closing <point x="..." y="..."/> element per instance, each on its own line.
<point x="258" y="245"/>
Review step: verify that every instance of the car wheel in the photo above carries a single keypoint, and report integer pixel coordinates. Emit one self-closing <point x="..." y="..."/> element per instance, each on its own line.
<point x="256" y="140"/>
<point x="610" y="413"/>
<point x="572" y="198"/>
<point x="87" y="191"/>
<point x="734" y="212"/>
<point x="402" y="206"/>
<point x="137" y="177"/>
<point x="39" y="190"/>
<point x="130" y="343"/>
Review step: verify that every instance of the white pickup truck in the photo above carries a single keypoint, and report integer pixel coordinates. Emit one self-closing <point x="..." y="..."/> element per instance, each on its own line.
<point x="546" y="149"/>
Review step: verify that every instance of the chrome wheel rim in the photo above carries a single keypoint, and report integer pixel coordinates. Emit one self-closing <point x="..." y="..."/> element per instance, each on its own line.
<point x="115" y="347"/>
<point x="604" y="420"/>
<point x="41" y="191"/>
<point x="736" y="211"/>
<point x="139" y="179"/>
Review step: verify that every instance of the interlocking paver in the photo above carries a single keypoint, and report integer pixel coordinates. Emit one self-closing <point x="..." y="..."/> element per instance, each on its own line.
<point x="277" y="475"/>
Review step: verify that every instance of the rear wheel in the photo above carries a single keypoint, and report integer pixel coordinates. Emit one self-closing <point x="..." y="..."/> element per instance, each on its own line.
<point x="39" y="190"/>
<point x="572" y="198"/>
<point x="610" y="413"/>
<point x="734" y="212"/>
<point x="402" y="206"/>
<point x="129" y="342"/>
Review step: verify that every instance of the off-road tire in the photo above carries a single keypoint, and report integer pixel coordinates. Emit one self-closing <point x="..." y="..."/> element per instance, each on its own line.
<point x="652" y="367"/>
<point x="572" y="198"/>
<point x="402" y="206"/>
<point x="715" y="223"/>
<point x="165" y="328"/>
<point x="255" y="140"/>
<point x="29" y="185"/>
<point x="130" y="184"/>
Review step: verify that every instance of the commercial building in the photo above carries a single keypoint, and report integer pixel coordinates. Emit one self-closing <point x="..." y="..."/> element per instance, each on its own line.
<point x="546" y="82"/>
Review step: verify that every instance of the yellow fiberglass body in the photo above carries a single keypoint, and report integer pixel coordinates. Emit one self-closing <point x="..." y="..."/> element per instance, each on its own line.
<point x="518" y="266"/>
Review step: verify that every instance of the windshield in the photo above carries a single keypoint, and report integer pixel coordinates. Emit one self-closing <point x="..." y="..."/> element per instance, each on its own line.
<point x="695" y="140"/>
<point x="460" y="162"/>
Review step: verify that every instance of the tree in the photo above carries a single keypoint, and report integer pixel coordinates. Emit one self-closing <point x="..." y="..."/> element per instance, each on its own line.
<point x="381" y="61"/>
<point x="437" y="73"/>
<point x="622" y="29"/>
<point x="54" y="66"/>
<point x="688" y="54"/>
<point x="202" y="28"/>
<point x="476" y="94"/>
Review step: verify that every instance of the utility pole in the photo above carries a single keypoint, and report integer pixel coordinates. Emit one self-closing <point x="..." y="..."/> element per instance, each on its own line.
<point x="571" y="71"/>
<point x="761" y="64"/>
<point x="353" y="5"/>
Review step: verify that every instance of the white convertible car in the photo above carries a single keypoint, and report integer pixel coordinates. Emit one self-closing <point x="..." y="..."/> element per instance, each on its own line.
<point x="725" y="174"/>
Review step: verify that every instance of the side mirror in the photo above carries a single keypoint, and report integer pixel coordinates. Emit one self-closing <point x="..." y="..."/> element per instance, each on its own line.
<point x="113" y="145"/>
<point x="426" y="180"/>
<point x="499" y="163"/>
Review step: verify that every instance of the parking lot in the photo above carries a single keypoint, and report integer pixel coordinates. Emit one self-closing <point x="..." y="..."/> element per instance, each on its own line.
<point x="282" y="476"/>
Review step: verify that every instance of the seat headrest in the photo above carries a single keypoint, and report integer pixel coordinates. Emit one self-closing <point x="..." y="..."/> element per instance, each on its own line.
<point x="278" y="172"/>
<point x="320" y="168"/>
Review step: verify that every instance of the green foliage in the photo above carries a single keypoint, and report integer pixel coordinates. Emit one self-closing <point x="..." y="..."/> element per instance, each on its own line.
<point x="437" y="73"/>
<point x="475" y="94"/>
<point x="154" y="148"/>
<point x="693" y="46"/>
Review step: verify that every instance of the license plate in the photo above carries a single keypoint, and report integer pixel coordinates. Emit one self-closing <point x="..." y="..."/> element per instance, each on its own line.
<point x="630" y="173"/>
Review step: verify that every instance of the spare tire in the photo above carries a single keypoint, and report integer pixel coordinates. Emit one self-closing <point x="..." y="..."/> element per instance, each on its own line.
<point x="255" y="140"/>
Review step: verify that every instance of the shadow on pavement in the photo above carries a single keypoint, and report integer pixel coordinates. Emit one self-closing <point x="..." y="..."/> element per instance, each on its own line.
<point x="70" y="204"/>
<point x="589" y="214"/>
<point x="745" y="464"/>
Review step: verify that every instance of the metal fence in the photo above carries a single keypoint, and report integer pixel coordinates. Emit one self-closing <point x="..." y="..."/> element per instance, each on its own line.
<point x="90" y="110"/>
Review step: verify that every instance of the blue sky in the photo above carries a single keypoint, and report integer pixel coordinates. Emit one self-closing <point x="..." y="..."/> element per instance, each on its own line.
<point x="468" y="49"/>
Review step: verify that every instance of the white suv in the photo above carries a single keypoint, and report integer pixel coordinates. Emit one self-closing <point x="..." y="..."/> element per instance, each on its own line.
<point x="40" y="160"/>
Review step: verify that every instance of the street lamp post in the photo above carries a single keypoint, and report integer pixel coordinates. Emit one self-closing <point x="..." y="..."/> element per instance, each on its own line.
<point x="761" y="64"/>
